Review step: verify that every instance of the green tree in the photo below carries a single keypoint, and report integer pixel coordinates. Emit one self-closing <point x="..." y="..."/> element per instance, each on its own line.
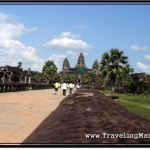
<point x="139" y="87"/>
<point x="37" y="75"/>
<point x="104" y="67"/>
<point x="114" y="65"/>
<point x="98" y="80"/>
<point x="57" y="77"/>
<point x="86" y="79"/>
<point x="68" y="78"/>
<point x="50" y="71"/>
<point x="123" y="79"/>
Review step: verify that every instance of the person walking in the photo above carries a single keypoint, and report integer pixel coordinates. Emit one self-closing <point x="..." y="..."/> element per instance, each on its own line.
<point x="56" y="85"/>
<point x="77" y="86"/>
<point x="71" y="86"/>
<point x="64" y="88"/>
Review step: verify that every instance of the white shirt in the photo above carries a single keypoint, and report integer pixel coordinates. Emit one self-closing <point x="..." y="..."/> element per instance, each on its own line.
<point x="64" y="86"/>
<point x="71" y="85"/>
<point x="77" y="86"/>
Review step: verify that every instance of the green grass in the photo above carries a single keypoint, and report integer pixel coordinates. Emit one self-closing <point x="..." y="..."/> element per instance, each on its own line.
<point x="137" y="104"/>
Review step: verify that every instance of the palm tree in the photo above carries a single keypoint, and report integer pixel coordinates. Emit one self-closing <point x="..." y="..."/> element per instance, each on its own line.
<point x="123" y="79"/>
<point x="104" y="65"/>
<point x="115" y="66"/>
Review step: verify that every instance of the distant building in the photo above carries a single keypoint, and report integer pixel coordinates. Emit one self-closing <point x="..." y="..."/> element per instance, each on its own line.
<point x="80" y="68"/>
<point x="15" y="74"/>
<point x="141" y="77"/>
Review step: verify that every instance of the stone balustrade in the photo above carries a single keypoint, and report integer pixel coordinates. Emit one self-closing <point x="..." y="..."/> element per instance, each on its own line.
<point x="14" y="87"/>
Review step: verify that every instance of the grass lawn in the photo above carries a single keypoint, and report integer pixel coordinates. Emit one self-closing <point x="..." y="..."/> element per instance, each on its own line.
<point x="137" y="104"/>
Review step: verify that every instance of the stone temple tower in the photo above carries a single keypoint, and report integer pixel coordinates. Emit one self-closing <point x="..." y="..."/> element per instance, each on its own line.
<point x="81" y="62"/>
<point x="95" y="65"/>
<point x="66" y="65"/>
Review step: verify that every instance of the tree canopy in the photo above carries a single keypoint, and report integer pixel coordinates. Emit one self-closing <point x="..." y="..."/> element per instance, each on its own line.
<point x="50" y="71"/>
<point x="68" y="78"/>
<point x="114" y="65"/>
<point x="86" y="79"/>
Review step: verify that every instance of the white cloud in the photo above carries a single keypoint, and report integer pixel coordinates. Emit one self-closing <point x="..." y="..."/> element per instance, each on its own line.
<point x="143" y="67"/>
<point x="14" y="51"/>
<point x="82" y="26"/>
<point x="72" y="54"/>
<point x="138" y="48"/>
<point x="58" y="60"/>
<point x="11" y="50"/>
<point x="13" y="29"/>
<point x="147" y="57"/>
<point x="67" y="41"/>
<point x="3" y="17"/>
<point x="85" y="54"/>
<point x="69" y="35"/>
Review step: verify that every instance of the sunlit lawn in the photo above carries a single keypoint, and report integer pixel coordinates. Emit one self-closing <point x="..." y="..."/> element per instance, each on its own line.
<point x="137" y="104"/>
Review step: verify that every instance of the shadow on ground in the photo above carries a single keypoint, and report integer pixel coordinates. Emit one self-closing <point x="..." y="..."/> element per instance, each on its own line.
<point x="89" y="112"/>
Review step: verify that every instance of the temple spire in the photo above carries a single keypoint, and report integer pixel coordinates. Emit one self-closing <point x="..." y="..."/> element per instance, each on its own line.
<point x="81" y="62"/>
<point x="95" y="65"/>
<point x="66" y="65"/>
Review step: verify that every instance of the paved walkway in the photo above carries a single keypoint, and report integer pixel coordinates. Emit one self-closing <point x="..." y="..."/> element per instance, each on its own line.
<point x="22" y="112"/>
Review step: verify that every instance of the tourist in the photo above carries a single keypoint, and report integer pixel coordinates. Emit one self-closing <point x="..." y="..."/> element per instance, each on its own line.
<point x="71" y="86"/>
<point x="77" y="86"/>
<point x="64" y="88"/>
<point x="56" y="85"/>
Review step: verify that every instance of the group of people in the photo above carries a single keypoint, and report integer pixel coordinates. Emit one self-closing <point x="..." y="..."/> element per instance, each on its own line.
<point x="65" y="86"/>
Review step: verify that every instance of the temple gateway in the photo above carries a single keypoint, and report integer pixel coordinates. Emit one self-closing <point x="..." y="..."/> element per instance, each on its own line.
<point x="80" y="68"/>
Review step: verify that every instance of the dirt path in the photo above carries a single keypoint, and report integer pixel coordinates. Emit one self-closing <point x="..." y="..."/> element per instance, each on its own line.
<point x="22" y="112"/>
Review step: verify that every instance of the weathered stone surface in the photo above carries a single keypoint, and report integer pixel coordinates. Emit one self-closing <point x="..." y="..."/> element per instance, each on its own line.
<point x="66" y="65"/>
<point x="81" y="61"/>
<point x="89" y="112"/>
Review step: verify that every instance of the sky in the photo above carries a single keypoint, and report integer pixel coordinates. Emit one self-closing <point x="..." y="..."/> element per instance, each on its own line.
<point x="34" y="34"/>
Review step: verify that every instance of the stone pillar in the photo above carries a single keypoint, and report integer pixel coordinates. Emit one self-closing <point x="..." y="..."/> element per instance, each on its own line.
<point x="20" y="79"/>
<point x="29" y="79"/>
<point x="8" y="88"/>
<point x="3" y="79"/>
<point x="10" y="77"/>
<point x="25" y="79"/>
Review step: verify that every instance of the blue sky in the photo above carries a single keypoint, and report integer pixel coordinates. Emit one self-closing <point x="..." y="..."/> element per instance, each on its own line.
<point x="34" y="34"/>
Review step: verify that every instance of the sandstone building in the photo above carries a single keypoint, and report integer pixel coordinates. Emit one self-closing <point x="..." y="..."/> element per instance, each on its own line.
<point x="80" y="68"/>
